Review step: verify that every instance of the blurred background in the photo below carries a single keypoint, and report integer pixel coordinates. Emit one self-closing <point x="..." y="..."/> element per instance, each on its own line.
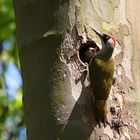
<point x="12" y="126"/>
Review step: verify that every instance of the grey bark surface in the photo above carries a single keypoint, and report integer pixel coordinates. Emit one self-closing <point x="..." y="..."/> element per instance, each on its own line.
<point x="56" y="87"/>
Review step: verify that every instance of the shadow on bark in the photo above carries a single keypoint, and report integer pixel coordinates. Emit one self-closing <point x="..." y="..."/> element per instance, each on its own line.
<point x="81" y="122"/>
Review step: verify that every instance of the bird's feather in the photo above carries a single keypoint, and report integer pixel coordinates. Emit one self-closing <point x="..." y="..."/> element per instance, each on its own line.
<point x="101" y="77"/>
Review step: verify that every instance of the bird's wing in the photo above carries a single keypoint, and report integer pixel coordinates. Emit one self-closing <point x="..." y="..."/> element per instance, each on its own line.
<point x="101" y="77"/>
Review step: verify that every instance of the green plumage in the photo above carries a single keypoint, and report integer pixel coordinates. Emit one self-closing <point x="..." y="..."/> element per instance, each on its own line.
<point x="101" y="77"/>
<point x="101" y="70"/>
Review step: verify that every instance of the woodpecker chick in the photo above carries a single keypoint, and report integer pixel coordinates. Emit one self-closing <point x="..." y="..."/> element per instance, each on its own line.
<point x="101" y="70"/>
<point x="89" y="54"/>
<point x="88" y="50"/>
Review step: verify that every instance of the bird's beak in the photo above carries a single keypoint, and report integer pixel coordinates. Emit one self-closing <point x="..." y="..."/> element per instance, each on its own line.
<point x="98" y="33"/>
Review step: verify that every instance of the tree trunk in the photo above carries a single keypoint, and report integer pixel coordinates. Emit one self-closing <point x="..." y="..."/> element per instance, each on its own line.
<point x="56" y="87"/>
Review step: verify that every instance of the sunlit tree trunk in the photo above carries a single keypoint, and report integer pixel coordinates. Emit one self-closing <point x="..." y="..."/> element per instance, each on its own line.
<point x="56" y="89"/>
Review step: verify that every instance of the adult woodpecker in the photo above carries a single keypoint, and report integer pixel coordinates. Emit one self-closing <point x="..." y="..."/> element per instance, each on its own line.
<point x="101" y="70"/>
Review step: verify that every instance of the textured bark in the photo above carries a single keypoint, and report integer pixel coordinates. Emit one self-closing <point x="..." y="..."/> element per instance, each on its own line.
<point x="56" y="88"/>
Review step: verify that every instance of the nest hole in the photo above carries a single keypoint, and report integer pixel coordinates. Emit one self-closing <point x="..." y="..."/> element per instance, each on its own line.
<point x="87" y="50"/>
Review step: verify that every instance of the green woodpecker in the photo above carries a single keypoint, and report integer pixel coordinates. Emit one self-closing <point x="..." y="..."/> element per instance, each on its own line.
<point x="101" y="70"/>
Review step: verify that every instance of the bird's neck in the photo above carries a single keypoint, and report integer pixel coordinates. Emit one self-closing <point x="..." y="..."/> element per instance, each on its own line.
<point x="105" y="53"/>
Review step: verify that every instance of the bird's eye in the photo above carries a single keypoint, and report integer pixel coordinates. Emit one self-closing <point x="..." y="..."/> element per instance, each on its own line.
<point x="106" y="37"/>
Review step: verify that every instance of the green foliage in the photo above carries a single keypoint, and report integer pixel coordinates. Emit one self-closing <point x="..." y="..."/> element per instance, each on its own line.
<point x="7" y="25"/>
<point x="11" y="109"/>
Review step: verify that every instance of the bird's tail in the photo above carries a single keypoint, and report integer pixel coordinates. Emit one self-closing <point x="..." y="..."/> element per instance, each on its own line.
<point x="100" y="111"/>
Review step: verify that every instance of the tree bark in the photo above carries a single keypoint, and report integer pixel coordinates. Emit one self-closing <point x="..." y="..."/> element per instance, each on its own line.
<point x="56" y="89"/>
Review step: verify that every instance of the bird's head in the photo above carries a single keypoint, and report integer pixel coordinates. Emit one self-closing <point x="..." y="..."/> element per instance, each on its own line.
<point x="88" y="50"/>
<point x="107" y="40"/>
<point x="89" y="53"/>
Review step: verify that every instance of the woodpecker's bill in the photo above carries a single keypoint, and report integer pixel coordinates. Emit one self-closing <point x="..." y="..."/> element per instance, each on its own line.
<point x="101" y="70"/>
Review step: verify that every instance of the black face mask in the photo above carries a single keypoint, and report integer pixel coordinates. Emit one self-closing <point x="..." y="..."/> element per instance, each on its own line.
<point x="105" y="38"/>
